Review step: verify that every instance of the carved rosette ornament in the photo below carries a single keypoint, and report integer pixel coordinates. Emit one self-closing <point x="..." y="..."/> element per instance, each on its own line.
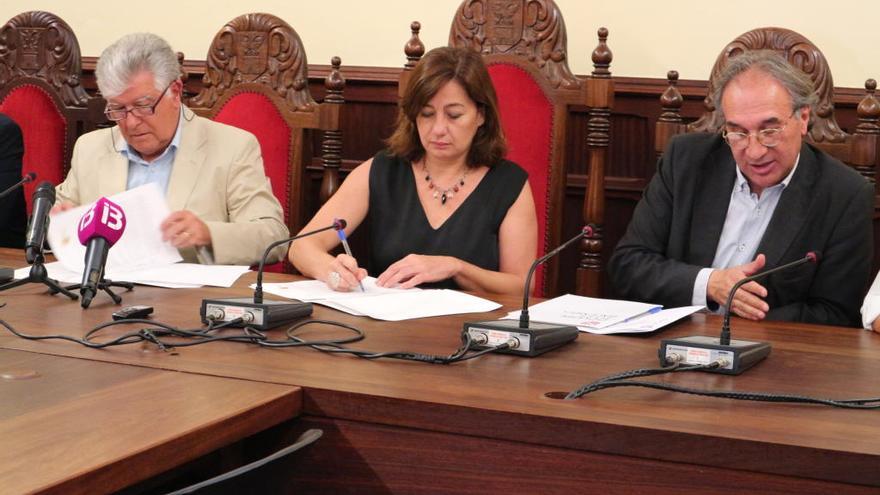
<point x="801" y="53"/>
<point x="533" y="29"/>
<point x="40" y="45"/>
<point x="257" y="48"/>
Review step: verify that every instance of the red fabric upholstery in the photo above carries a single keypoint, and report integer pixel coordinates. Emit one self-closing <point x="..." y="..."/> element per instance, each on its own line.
<point x="257" y="114"/>
<point x="527" y="119"/>
<point x="43" y="128"/>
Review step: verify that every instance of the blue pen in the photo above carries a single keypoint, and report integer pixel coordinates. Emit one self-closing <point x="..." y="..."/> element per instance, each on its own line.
<point x="341" y="234"/>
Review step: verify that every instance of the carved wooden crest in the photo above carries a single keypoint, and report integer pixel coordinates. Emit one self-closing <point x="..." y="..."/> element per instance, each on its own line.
<point x="41" y="45"/>
<point x="257" y="48"/>
<point x="799" y="52"/>
<point x="532" y="29"/>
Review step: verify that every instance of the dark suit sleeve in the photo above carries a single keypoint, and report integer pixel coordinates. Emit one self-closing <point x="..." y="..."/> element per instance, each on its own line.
<point x="843" y="273"/>
<point x="641" y="268"/>
<point x="13" y="218"/>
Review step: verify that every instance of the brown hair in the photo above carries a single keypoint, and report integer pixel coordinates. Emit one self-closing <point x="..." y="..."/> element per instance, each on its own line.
<point x="436" y="68"/>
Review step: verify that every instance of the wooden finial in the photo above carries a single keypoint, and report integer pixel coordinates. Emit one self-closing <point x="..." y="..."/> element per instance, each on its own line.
<point x="414" y="48"/>
<point x="869" y="110"/>
<point x="602" y="55"/>
<point x="334" y="82"/>
<point x="671" y="100"/>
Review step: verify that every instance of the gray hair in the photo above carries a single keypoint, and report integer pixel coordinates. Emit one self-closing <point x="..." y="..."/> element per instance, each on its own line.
<point x="798" y="84"/>
<point x="134" y="53"/>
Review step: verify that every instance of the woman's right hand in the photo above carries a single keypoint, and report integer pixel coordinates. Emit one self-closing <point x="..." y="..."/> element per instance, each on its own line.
<point x="344" y="274"/>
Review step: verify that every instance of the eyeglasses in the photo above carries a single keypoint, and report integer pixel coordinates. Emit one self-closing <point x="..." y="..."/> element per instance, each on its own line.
<point x="765" y="137"/>
<point x="117" y="114"/>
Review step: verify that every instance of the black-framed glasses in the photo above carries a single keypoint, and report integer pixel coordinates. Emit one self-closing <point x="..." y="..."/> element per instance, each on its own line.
<point x="117" y="114"/>
<point x="765" y="137"/>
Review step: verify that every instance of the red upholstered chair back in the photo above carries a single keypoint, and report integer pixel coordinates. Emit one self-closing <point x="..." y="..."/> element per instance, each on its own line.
<point x="40" y="89"/>
<point x="255" y="113"/>
<point x="43" y="129"/>
<point x="256" y="78"/>
<point x="525" y="48"/>
<point x="530" y="140"/>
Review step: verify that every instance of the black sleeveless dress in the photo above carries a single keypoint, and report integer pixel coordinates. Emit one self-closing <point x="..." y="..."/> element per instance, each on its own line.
<point x="398" y="225"/>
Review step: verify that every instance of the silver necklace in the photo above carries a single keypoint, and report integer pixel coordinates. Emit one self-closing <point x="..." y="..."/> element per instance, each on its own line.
<point x="443" y="194"/>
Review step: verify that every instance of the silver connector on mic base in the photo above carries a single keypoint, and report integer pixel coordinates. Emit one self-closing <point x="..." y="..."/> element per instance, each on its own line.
<point x="733" y="358"/>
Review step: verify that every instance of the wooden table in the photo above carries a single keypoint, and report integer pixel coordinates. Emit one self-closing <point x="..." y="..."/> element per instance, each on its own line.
<point x="488" y="425"/>
<point x="81" y="426"/>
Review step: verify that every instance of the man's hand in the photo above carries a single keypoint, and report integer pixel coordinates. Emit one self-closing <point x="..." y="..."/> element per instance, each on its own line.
<point x="415" y="269"/>
<point x="184" y="229"/>
<point x="748" y="301"/>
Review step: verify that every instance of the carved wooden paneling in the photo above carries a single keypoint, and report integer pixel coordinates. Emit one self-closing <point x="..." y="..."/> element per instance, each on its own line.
<point x="532" y="29"/>
<point x="40" y="45"/>
<point x="257" y="48"/>
<point x="801" y="53"/>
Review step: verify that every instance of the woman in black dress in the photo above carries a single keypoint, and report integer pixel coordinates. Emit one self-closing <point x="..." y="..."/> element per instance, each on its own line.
<point x="445" y="208"/>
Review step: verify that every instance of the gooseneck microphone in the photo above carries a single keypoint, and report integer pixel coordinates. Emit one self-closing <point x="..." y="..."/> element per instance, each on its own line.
<point x="734" y="356"/>
<point x="338" y="224"/>
<point x="522" y="337"/>
<point x="587" y="231"/>
<point x="811" y="257"/>
<point x="99" y="229"/>
<point x="255" y="312"/>
<point x="35" y="236"/>
<point x="29" y="177"/>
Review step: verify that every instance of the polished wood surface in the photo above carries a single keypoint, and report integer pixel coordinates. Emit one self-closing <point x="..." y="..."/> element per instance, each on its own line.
<point x="500" y="401"/>
<point x="80" y="426"/>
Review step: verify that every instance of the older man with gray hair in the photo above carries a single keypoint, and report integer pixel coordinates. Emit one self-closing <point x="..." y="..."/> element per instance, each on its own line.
<point x="755" y="196"/>
<point x="223" y="210"/>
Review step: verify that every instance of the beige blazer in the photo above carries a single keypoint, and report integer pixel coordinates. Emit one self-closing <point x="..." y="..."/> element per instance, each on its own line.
<point x="217" y="174"/>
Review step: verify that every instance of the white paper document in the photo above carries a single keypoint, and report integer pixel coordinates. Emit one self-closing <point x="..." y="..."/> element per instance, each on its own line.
<point x="580" y="311"/>
<point x="604" y="316"/>
<point x="647" y="323"/>
<point x="176" y="276"/>
<point x="383" y="303"/>
<point x="141" y="245"/>
<point x="140" y="256"/>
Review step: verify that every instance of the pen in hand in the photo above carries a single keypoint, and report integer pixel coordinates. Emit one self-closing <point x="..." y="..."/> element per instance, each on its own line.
<point x="347" y="248"/>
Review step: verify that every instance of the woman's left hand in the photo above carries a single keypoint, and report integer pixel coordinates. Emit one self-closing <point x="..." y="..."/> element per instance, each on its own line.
<point x="415" y="269"/>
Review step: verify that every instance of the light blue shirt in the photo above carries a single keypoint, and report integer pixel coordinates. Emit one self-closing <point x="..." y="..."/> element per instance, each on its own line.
<point x="747" y="218"/>
<point x="142" y="172"/>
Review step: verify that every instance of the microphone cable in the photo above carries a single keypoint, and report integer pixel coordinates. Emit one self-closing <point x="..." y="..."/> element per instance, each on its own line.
<point x="157" y="333"/>
<point x="624" y="380"/>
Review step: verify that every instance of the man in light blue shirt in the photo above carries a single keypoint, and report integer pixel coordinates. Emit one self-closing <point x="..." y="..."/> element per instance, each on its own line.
<point x="728" y="205"/>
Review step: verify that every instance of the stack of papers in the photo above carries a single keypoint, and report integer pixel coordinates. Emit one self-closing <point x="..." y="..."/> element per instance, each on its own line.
<point x="383" y="303"/>
<point x="140" y="256"/>
<point x="176" y="276"/>
<point x="604" y="316"/>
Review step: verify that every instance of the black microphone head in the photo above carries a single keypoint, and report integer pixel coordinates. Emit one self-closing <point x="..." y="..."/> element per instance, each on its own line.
<point x="339" y="223"/>
<point x="45" y="191"/>
<point x="814" y="256"/>
<point x="29" y="177"/>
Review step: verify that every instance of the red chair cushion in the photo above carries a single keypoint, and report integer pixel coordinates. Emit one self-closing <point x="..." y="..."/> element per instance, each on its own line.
<point x="257" y="114"/>
<point x="529" y="140"/>
<point x="43" y="128"/>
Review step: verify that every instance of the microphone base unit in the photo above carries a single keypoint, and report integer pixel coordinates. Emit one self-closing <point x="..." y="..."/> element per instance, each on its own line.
<point x="735" y="358"/>
<point x="262" y="316"/>
<point x="533" y="341"/>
